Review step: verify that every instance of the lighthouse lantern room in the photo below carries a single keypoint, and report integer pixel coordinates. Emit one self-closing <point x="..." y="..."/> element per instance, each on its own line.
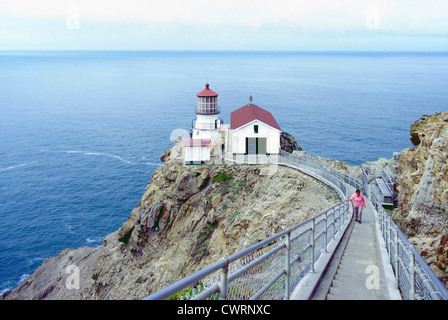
<point x="207" y="123"/>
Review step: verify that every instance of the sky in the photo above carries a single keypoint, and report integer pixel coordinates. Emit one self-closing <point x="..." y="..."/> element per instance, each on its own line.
<point x="378" y="25"/>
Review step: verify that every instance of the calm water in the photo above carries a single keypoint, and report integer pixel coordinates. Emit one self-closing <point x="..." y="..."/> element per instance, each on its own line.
<point x="82" y="132"/>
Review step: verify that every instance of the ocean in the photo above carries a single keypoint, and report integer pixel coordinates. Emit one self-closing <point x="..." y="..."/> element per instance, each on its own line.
<point x="82" y="131"/>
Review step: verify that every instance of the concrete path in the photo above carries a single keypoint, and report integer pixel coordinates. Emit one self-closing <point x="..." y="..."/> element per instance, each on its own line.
<point x="359" y="274"/>
<point x="360" y="270"/>
<point x="357" y="269"/>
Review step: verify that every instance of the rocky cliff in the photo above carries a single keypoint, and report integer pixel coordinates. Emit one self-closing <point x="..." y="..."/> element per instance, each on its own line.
<point x="189" y="217"/>
<point x="423" y="191"/>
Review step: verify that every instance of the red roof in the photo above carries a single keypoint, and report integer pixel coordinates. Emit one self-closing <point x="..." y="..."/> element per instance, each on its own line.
<point x="207" y="92"/>
<point x="249" y="113"/>
<point x="196" y="142"/>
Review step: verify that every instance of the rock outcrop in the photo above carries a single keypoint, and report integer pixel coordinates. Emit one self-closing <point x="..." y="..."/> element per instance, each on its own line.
<point x="422" y="214"/>
<point x="288" y="143"/>
<point x="188" y="218"/>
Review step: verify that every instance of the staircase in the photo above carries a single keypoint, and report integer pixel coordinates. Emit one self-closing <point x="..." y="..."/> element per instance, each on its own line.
<point x="360" y="265"/>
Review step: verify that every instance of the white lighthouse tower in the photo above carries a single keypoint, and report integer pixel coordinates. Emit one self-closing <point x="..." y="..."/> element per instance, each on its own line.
<point x="207" y="123"/>
<point x="205" y="143"/>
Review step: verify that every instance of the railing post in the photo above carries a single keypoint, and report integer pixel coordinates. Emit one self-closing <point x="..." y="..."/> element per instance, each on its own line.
<point x="334" y="223"/>
<point x="389" y="238"/>
<point x="339" y="218"/>
<point x="386" y="236"/>
<point x="287" y="264"/>
<point x="396" y="259"/>
<point x="412" y="274"/>
<point x="223" y="281"/>
<point x="337" y="223"/>
<point x="348" y="210"/>
<point x="313" y="227"/>
<point x="326" y="230"/>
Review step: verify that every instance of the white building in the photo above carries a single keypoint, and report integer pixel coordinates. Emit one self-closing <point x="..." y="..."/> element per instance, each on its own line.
<point x="196" y="151"/>
<point x="253" y="131"/>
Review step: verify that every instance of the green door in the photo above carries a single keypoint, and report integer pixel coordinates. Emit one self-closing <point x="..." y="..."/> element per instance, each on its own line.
<point x="261" y="145"/>
<point x="255" y="145"/>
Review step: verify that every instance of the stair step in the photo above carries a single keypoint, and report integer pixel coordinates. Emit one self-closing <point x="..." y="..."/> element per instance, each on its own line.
<point x="350" y="294"/>
<point x="341" y="291"/>
<point x="350" y="277"/>
<point x="349" y="280"/>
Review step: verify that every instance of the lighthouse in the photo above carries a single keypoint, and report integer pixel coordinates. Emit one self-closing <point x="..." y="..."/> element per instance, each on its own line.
<point x="207" y="124"/>
<point x="253" y="134"/>
<point x="205" y="141"/>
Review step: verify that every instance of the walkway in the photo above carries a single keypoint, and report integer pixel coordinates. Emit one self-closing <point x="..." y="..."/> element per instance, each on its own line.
<point x="354" y="266"/>
<point x="357" y="270"/>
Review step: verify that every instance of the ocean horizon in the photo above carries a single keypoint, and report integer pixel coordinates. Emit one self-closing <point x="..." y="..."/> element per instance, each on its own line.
<point x="82" y="131"/>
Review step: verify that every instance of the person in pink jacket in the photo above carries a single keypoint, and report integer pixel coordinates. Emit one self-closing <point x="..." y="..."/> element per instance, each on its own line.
<point x="358" y="202"/>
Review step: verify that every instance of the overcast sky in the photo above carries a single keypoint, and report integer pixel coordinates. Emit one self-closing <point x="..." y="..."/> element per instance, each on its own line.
<point x="224" y="25"/>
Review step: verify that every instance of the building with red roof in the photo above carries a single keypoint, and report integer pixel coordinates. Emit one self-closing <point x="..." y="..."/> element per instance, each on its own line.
<point x="249" y="113"/>
<point x="254" y="130"/>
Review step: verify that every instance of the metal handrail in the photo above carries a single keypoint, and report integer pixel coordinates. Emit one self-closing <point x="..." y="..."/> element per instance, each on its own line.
<point x="414" y="278"/>
<point x="279" y="246"/>
<point x="313" y="164"/>
<point x="301" y="246"/>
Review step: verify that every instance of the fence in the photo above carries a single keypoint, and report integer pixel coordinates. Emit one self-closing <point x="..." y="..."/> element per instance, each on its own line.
<point x="335" y="176"/>
<point x="414" y="278"/>
<point x="272" y="268"/>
